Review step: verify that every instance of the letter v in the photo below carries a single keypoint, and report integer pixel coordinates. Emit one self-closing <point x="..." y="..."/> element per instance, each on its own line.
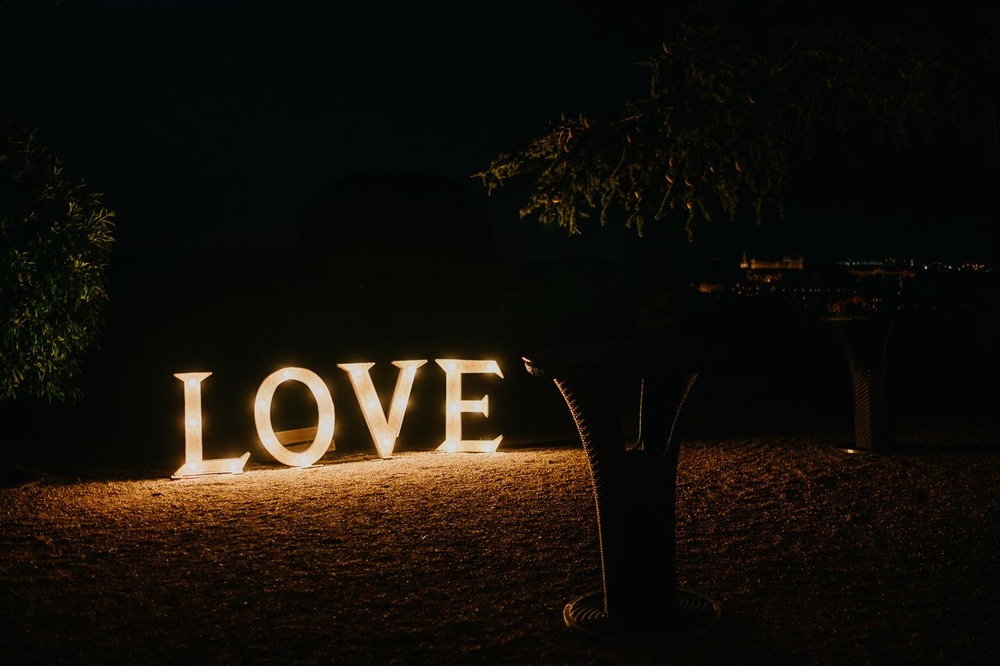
<point x="384" y="431"/>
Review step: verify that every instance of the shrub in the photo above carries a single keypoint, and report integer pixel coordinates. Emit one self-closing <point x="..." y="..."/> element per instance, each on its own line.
<point x="55" y="244"/>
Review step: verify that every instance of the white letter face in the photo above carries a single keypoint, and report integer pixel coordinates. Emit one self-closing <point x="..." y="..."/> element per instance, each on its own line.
<point x="194" y="465"/>
<point x="324" y="428"/>
<point x="384" y="431"/>
<point x="454" y="406"/>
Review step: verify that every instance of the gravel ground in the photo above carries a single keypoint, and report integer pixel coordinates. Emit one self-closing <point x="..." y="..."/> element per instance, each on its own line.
<point x="816" y="556"/>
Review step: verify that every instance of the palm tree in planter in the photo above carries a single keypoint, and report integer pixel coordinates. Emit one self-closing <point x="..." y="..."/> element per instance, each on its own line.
<point x="56" y="238"/>
<point x="743" y="99"/>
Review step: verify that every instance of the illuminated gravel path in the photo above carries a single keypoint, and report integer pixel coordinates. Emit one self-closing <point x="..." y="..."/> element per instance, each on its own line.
<point x="816" y="556"/>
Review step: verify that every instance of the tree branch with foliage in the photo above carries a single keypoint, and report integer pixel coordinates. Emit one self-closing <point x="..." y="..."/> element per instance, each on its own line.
<point x="733" y="109"/>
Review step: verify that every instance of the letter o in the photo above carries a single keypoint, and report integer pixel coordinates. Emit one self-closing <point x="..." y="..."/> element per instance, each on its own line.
<point x="324" y="428"/>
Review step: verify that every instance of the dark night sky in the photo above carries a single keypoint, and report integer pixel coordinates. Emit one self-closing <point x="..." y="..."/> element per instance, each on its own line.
<point x="214" y="123"/>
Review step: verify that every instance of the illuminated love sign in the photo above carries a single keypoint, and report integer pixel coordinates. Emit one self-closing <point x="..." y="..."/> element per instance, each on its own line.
<point x="383" y="429"/>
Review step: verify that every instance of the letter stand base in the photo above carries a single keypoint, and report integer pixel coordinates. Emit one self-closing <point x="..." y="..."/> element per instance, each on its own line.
<point x="692" y="614"/>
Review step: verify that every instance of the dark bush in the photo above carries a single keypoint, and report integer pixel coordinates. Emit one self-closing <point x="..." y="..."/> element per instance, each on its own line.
<point x="55" y="244"/>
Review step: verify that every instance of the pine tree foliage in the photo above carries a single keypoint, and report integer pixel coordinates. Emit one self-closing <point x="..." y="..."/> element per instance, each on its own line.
<point x="55" y="242"/>
<point x="735" y="105"/>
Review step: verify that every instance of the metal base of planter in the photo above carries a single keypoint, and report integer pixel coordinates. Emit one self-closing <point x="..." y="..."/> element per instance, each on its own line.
<point x="692" y="614"/>
<point x="850" y="447"/>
